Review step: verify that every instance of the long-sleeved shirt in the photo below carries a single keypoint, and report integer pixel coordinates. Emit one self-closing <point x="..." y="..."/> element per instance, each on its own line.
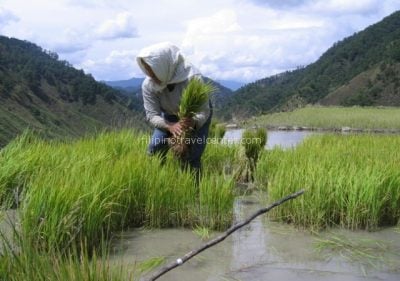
<point x="168" y="101"/>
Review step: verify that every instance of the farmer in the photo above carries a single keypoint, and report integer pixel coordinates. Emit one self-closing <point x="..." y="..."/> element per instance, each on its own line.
<point x="167" y="74"/>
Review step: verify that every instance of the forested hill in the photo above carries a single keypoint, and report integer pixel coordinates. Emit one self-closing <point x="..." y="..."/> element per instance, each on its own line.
<point x="39" y="91"/>
<point x="363" y="69"/>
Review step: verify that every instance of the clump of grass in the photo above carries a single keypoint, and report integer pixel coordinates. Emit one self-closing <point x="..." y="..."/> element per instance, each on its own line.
<point x="150" y="264"/>
<point x="88" y="189"/>
<point x="202" y="232"/>
<point x="352" y="181"/>
<point x="194" y="97"/>
<point x="368" y="253"/>
<point x="220" y="159"/>
<point x="217" y="131"/>
<point x="216" y="197"/>
<point x="19" y="261"/>
<point x="253" y="142"/>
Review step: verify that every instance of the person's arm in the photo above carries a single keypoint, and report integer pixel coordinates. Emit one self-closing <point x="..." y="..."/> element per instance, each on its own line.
<point x="152" y="108"/>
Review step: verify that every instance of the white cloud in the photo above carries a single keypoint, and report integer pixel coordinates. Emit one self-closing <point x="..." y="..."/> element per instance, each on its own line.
<point x="238" y="49"/>
<point x="343" y="7"/>
<point x="70" y="41"/>
<point x="6" y="17"/>
<point x="90" y="4"/>
<point x="279" y="4"/>
<point x="227" y="39"/>
<point x="119" y="64"/>
<point x="121" y="27"/>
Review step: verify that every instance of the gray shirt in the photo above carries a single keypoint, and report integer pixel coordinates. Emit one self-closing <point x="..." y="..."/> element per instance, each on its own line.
<point x="168" y="102"/>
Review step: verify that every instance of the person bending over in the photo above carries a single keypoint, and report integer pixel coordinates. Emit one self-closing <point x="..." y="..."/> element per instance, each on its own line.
<point x="167" y="74"/>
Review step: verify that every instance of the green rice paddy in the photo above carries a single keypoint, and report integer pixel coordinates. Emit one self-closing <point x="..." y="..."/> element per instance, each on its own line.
<point x="73" y="196"/>
<point x="319" y="117"/>
<point x="351" y="181"/>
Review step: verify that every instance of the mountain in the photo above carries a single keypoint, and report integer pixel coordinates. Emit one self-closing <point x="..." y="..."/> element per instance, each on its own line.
<point x="41" y="92"/>
<point x="130" y="84"/>
<point x="363" y="69"/>
<point x="219" y="97"/>
<point x="230" y="84"/>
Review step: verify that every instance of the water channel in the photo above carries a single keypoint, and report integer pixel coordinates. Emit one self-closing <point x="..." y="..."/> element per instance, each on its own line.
<point x="264" y="250"/>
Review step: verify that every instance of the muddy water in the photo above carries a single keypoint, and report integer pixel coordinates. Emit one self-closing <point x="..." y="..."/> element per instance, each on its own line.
<point x="263" y="250"/>
<point x="284" y="139"/>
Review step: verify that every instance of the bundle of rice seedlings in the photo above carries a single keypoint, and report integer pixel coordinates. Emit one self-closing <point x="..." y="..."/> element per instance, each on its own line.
<point x="195" y="95"/>
<point x="253" y="142"/>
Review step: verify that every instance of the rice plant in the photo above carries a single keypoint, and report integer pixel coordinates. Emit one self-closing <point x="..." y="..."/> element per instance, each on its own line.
<point x="194" y="97"/>
<point x="217" y="131"/>
<point x="202" y="232"/>
<point x="368" y="253"/>
<point x="88" y="189"/>
<point x="253" y="142"/>
<point x="333" y="117"/>
<point x="19" y="261"/>
<point x="352" y="181"/>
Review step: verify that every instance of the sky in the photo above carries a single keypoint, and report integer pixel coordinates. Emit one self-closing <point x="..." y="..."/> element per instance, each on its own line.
<point x="240" y="40"/>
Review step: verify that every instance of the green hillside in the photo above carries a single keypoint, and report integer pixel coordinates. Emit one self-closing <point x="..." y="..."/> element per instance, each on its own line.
<point x="41" y="92"/>
<point x="373" y="54"/>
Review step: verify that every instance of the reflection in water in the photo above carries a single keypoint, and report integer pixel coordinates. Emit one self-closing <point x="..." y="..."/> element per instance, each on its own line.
<point x="262" y="250"/>
<point x="245" y="252"/>
<point x="284" y="139"/>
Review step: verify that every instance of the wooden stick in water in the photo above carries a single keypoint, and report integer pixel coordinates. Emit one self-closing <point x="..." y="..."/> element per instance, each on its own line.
<point x="220" y="238"/>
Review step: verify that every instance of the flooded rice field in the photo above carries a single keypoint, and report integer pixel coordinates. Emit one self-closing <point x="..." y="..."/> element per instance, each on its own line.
<point x="265" y="250"/>
<point x="284" y="139"/>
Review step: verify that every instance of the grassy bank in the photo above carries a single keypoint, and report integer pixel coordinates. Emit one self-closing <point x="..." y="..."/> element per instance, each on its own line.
<point x="28" y="264"/>
<point x="351" y="181"/>
<point x="367" y="118"/>
<point x="88" y="189"/>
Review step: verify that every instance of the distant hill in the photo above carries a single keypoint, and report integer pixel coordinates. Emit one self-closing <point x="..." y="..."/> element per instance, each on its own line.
<point x="130" y="84"/>
<point x="41" y="92"/>
<point x="219" y="97"/>
<point x="230" y="84"/>
<point x="362" y="69"/>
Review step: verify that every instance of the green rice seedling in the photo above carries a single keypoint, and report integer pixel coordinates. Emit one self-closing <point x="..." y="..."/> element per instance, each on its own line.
<point x="216" y="197"/>
<point x="253" y="142"/>
<point x="352" y="181"/>
<point x="267" y="165"/>
<point x="220" y="159"/>
<point x="149" y="264"/>
<point x="19" y="261"/>
<point x="217" y="131"/>
<point x="202" y="232"/>
<point x="194" y="97"/>
<point x="88" y="189"/>
<point x="17" y="163"/>
<point x="368" y="253"/>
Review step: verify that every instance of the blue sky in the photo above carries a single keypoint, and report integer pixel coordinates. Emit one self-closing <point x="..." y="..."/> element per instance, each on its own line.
<point x="241" y="40"/>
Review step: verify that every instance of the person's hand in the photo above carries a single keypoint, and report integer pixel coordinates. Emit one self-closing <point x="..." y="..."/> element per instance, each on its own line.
<point x="175" y="129"/>
<point x="187" y="123"/>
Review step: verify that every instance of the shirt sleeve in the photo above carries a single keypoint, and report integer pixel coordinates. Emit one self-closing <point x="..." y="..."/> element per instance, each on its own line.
<point x="152" y="108"/>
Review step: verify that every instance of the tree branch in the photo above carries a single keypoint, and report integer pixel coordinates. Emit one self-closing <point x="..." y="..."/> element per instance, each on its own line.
<point x="220" y="238"/>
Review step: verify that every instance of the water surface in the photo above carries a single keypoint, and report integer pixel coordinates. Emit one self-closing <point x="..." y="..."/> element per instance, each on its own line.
<point x="263" y="250"/>
<point x="284" y="139"/>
